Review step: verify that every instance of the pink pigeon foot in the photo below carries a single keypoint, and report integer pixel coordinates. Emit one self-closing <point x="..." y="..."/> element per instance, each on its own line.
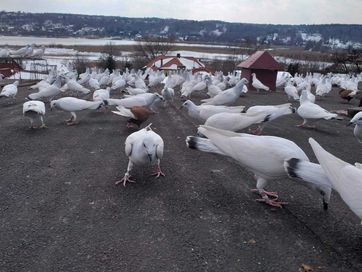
<point x="125" y="179"/>
<point x="72" y="123"/>
<point x="263" y="193"/>
<point x="256" y="131"/>
<point x="272" y="202"/>
<point x="158" y="173"/>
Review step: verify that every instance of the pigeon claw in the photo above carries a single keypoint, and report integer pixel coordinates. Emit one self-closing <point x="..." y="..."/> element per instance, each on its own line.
<point x="272" y="202"/>
<point x="264" y="193"/>
<point x="71" y="123"/>
<point x="158" y="174"/>
<point x="124" y="180"/>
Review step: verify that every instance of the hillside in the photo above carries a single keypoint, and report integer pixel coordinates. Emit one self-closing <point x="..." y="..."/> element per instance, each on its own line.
<point x="73" y="25"/>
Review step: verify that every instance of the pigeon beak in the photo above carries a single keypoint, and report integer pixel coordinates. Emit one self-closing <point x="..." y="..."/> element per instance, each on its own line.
<point x="349" y="124"/>
<point x="150" y="157"/>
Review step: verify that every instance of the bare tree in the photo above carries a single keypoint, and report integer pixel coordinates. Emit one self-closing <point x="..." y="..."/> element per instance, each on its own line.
<point x="151" y="47"/>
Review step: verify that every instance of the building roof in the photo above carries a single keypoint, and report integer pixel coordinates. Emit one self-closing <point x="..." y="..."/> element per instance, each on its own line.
<point x="163" y="62"/>
<point x="260" y="60"/>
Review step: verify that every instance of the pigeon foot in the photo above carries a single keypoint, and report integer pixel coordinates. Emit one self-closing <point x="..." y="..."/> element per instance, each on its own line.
<point x="124" y="180"/>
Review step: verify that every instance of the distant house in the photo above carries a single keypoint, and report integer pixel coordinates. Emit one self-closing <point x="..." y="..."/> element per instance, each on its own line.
<point x="174" y="63"/>
<point x="263" y="65"/>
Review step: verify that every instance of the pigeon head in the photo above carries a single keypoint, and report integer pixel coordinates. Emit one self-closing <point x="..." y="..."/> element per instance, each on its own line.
<point x="150" y="147"/>
<point x="187" y="104"/>
<point x="160" y="97"/>
<point x="357" y="119"/>
<point x="53" y="104"/>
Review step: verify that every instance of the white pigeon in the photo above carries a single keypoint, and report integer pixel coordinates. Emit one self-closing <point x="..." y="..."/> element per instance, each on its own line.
<point x="263" y="155"/>
<point x="291" y="91"/>
<point x="345" y="178"/>
<point x="10" y="90"/>
<point x="47" y="90"/>
<point x="94" y="84"/>
<point x="72" y="104"/>
<point x="257" y="84"/>
<point x="139" y="83"/>
<point x="143" y="100"/>
<point x="311" y="112"/>
<point x="74" y="86"/>
<point x="168" y="94"/>
<point x="84" y="79"/>
<point x="143" y="147"/>
<point x="235" y="121"/>
<point x="212" y="89"/>
<point x="38" y="52"/>
<point x="135" y="91"/>
<point x="118" y="84"/>
<point x="4" y="52"/>
<point x="203" y="112"/>
<point x="21" y="52"/>
<point x="273" y="112"/>
<point x="101" y="94"/>
<point x="357" y="121"/>
<point x="33" y="110"/>
<point x="227" y="97"/>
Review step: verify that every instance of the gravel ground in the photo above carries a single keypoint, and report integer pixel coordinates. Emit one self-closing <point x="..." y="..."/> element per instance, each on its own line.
<point x="60" y="209"/>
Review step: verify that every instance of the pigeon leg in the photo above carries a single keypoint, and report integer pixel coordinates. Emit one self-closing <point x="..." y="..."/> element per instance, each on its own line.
<point x="158" y="172"/>
<point x="124" y="180"/>
<point x="43" y="125"/>
<point x="127" y="177"/>
<point x="129" y="125"/>
<point x="72" y="120"/>
<point x="260" y="184"/>
<point x="256" y="131"/>
<point x="302" y="124"/>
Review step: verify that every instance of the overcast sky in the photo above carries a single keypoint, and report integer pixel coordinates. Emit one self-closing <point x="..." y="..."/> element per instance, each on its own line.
<point x="246" y="11"/>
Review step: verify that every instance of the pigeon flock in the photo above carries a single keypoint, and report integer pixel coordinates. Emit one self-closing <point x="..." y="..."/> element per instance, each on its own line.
<point x="225" y="127"/>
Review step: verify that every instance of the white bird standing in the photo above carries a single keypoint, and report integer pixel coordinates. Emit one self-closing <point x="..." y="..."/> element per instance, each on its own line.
<point x="72" y="104"/>
<point x="21" y="52"/>
<point x="203" y="112"/>
<point x="273" y="112"/>
<point x="10" y="90"/>
<point x="47" y="91"/>
<point x="101" y="94"/>
<point x="310" y="111"/>
<point x="143" y="100"/>
<point x="257" y="84"/>
<point x="227" y="97"/>
<point x="291" y="91"/>
<point x="168" y="94"/>
<point x="235" y="121"/>
<point x="4" y="52"/>
<point x="262" y="155"/>
<point x="73" y="85"/>
<point x="143" y="147"/>
<point x="38" y="52"/>
<point x="357" y="121"/>
<point x="135" y="91"/>
<point x="34" y="109"/>
<point x="345" y="178"/>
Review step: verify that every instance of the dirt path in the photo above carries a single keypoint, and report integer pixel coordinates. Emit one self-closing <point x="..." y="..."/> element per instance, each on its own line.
<point x="60" y="209"/>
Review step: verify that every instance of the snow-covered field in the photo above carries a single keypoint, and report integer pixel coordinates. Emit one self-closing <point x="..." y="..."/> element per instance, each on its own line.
<point x="21" y="41"/>
<point x="60" y="56"/>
